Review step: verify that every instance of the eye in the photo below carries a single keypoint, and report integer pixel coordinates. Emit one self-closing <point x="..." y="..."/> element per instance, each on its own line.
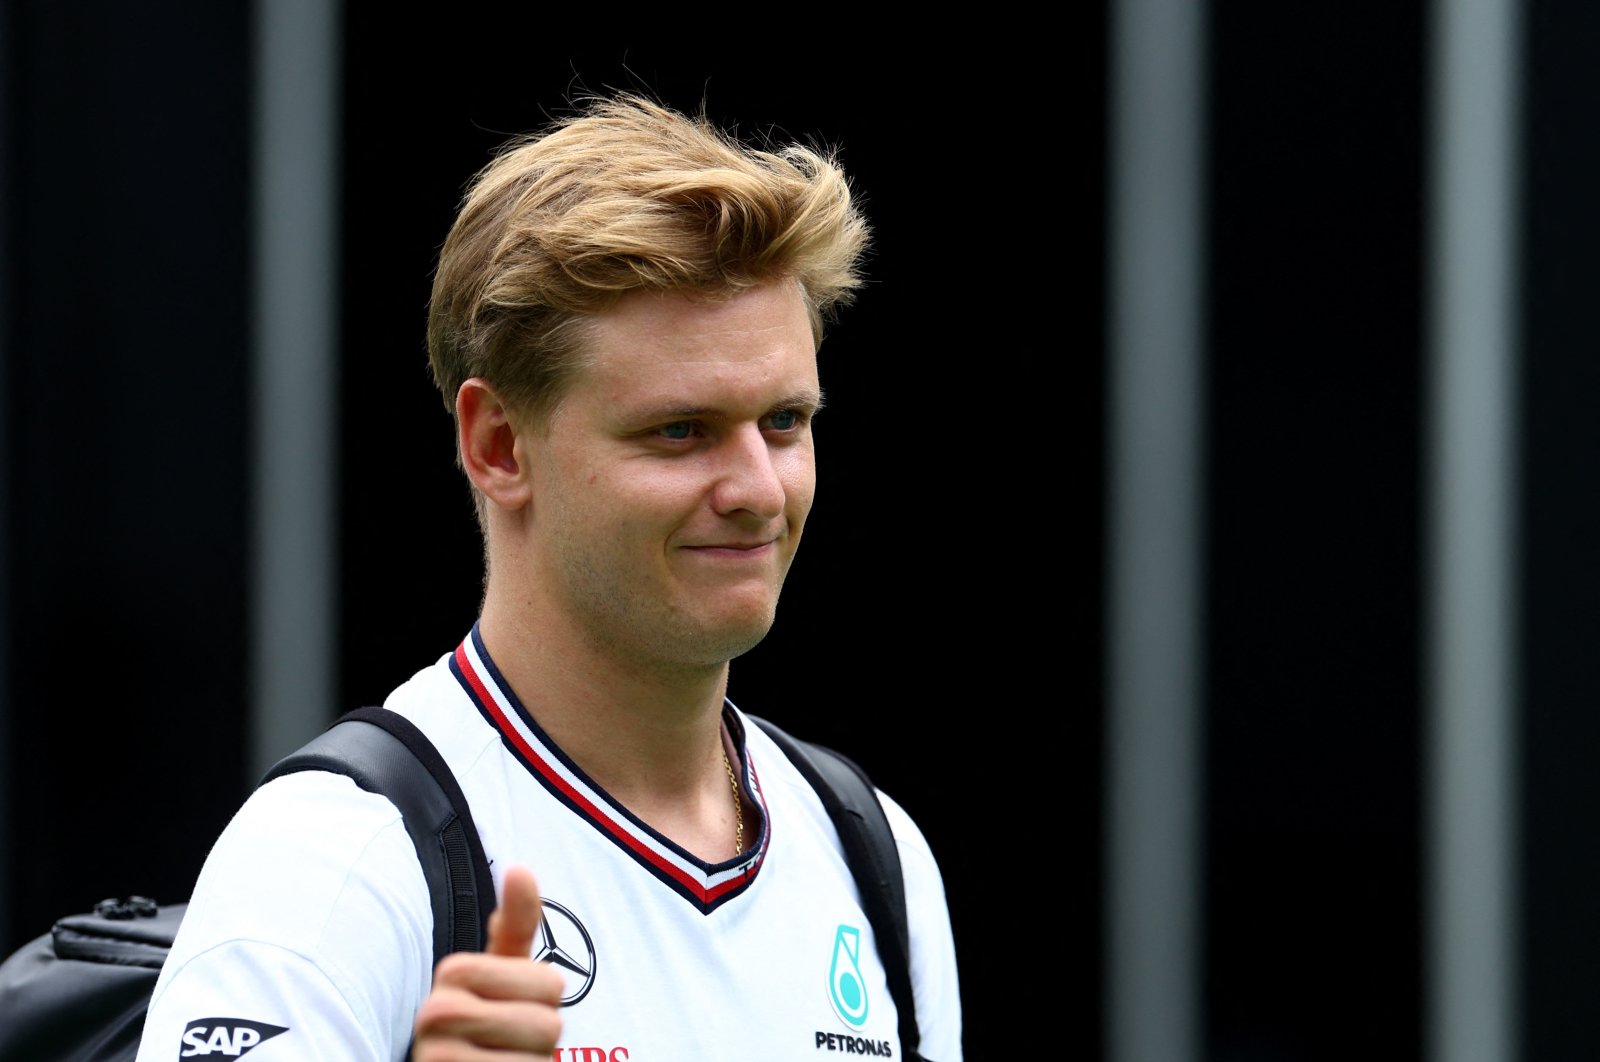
<point x="784" y="420"/>
<point x="678" y="430"/>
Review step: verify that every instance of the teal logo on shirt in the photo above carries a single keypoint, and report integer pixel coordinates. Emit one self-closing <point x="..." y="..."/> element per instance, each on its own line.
<point x="847" y="988"/>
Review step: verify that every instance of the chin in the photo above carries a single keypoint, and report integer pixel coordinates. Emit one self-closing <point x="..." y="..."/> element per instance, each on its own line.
<point x="724" y="642"/>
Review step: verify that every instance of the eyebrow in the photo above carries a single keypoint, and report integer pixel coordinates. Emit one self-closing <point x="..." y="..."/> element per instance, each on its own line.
<point x="808" y="399"/>
<point x="804" y="399"/>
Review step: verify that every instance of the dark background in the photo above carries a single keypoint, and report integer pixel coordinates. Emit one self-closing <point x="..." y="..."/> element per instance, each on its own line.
<point x="918" y="617"/>
<point x="962" y="503"/>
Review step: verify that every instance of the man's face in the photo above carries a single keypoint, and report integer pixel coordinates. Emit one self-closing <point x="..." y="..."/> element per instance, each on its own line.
<point x="672" y="481"/>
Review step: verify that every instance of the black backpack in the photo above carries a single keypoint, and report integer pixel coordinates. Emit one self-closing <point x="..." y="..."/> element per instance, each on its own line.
<point x="79" y="992"/>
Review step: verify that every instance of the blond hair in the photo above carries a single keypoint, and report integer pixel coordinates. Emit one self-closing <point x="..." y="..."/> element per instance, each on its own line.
<point x="627" y="194"/>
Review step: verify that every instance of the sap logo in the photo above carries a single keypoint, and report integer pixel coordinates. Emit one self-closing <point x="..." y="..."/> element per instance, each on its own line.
<point x="225" y="1036"/>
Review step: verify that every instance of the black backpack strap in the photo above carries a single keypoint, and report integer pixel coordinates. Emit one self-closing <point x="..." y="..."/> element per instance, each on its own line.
<point x="386" y="754"/>
<point x="869" y="847"/>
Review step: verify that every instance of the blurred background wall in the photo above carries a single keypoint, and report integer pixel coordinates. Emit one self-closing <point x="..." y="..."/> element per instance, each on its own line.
<point x="1346" y="579"/>
<point x="1311" y="754"/>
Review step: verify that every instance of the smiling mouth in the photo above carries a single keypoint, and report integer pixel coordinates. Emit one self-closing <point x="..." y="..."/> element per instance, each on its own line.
<point x="736" y="548"/>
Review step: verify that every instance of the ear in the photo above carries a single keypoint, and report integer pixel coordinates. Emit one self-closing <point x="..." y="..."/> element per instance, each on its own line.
<point x="491" y="452"/>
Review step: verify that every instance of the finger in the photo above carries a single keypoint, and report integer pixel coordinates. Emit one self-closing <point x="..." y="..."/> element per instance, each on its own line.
<point x="510" y="977"/>
<point x="456" y="1015"/>
<point x="516" y="920"/>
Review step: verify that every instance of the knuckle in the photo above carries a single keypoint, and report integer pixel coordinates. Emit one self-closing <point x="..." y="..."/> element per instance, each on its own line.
<point x="455" y="969"/>
<point x="443" y="1010"/>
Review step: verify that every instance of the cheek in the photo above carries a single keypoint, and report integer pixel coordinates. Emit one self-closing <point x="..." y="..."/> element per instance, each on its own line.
<point x="798" y="470"/>
<point x="642" y="507"/>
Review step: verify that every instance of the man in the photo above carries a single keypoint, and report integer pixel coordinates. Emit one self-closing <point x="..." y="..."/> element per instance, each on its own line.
<point x="624" y="324"/>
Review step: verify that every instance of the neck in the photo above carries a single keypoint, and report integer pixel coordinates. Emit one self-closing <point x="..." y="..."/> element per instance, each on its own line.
<point x="651" y="737"/>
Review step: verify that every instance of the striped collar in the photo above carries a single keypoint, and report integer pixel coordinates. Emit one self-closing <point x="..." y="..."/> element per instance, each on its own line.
<point x="705" y="885"/>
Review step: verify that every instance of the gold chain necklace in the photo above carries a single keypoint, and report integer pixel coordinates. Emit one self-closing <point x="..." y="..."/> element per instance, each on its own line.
<point x="738" y="805"/>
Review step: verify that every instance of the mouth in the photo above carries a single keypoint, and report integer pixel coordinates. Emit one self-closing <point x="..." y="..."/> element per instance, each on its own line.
<point x="735" y="549"/>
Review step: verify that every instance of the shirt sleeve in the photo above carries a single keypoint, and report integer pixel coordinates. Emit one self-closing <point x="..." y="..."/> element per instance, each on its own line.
<point x="309" y="934"/>
<point x="934" y="979"/>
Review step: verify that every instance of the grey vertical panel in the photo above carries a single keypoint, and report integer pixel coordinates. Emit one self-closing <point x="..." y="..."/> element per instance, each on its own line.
<point x="296" y="287"/>
<point x="1153" y="541"/>
<point x="1472" y="598"/>
<point x="7" y="693"/>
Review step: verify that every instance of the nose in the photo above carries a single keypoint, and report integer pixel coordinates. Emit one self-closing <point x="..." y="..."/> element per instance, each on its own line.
<point x="749" y="477"/>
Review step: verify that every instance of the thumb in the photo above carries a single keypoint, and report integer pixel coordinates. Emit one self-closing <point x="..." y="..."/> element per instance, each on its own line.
<point x="516" y="920"/>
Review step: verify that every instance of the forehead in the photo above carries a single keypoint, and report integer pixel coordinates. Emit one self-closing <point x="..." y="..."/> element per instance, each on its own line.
<point x="746" y="348"/>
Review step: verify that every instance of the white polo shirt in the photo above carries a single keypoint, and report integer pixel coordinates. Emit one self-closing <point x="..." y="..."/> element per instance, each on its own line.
<point x="309" y="934"/>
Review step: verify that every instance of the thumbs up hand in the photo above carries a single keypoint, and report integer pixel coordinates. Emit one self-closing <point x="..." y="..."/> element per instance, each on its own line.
<point x="497" y="999"/>
<point x="513" y="923"/>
